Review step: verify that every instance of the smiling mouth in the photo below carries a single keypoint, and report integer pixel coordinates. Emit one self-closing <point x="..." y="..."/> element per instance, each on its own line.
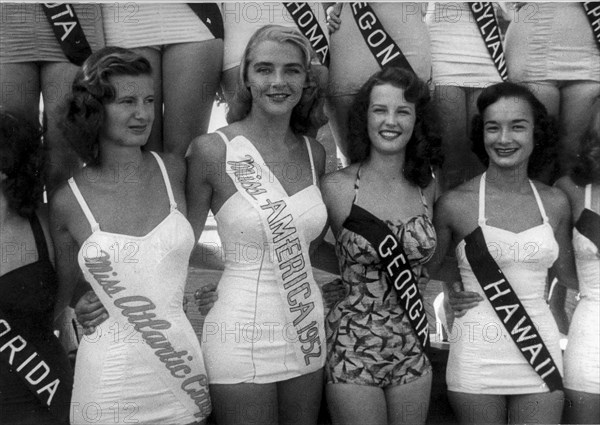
<point x="278" y="96"/>
<point x="140" y="129"/>
<point x="505" y="151"/>
<point x="389" y="134"/>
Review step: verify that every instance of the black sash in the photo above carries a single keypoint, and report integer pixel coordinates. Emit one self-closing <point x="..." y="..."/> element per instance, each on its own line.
<point x="509" y="309"/>
<point x="490" y="32"/>
<point x="68" y="31"/>
<point x="588" y="225"/>
<point x="210" y="15"/>
<point x="592" y="10"/>
<point x="49" y="383"/>
<point x="383" y="47"/>
<point x="307" y="23"/>
<point x="397" y="266"/>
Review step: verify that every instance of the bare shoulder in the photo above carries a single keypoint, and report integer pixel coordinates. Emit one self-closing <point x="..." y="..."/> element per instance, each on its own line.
<point x="554" y="199"/>
<point x="175" y="165"/>
<point x="459" y="200"/>
<point x="61" y="205"/>
<point x="339" y="185"/>
<point x="207" y="148"/>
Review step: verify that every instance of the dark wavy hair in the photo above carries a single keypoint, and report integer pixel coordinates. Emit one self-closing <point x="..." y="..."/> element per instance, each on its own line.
<point x="544" y="126"/>
<point x="587" y="169"/>
<point x="22" y="160"/>
<point x="308" y="113"/>
<point x="91" y="90"/>
<point x="423" y="151"/>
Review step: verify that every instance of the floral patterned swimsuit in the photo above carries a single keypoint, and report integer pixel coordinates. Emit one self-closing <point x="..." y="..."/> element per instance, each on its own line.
<point x="369" y="338"/>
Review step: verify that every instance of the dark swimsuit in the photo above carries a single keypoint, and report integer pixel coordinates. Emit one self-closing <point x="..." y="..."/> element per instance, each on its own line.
<point x="27" y="298"/>
<point x="370" y="340"/>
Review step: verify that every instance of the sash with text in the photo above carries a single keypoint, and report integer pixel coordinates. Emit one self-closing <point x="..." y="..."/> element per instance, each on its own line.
<point x="588" y="225"/>
<point x="485" y="17"/>
<point x="396" y="266"/>
<point x="210" y="15"/>
<point x="307" y="23"/>
<point x="68" y="31"/>
<point x="509" y="309"/>
<point x="592" y="10"/>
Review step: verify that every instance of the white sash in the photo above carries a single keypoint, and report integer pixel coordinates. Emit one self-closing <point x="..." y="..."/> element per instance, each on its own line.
<point x="288" y="250"/>
<point x="172" y="358"/>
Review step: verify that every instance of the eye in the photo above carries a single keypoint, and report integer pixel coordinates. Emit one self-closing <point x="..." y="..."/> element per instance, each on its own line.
<point x="491" y="128"/>
<point x="519" y="127"/>
<point x="263" y="70"/>
<point x="150" y="100"/>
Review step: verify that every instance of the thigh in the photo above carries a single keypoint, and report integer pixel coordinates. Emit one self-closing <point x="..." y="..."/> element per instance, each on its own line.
<point x="351" y="404"/>
<point x="581" y="407"/>
<point x="20" y="88"/>
<point x="299" y="399"/>
<point x="244" y="403"/>
<point x="190" y="78"/>
<point x="576" y="102"/>
<point x="56" y="81"/>
<point x="409" y="403"/>
<point x="338" y="109"/>
<point x="479" y="409"/>
<point x="540" y="408"/>
<point x="548" y="93"/>
<point x="229" y="80"/>
<point x="156" y="136"/>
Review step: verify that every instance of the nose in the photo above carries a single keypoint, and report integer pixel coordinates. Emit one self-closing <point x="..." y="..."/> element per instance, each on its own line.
<point x="390" y="119"/>
<point x="144" y="111"/>
<point x="278" y="79"/>
<point x="504" y="135"/>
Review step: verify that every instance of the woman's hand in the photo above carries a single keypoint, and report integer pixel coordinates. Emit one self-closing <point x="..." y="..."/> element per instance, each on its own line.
<point x="460" y="300"/>
<point x="206" y="298"/>
<point x="90" y="312"/>
<point x="333" y="17"/>
<point x="333" y="292"/>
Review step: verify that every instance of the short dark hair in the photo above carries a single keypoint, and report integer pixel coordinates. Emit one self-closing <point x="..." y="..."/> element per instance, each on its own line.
<point x="22" y="160"/>
<point x="544" y="126"/>
<point x="91" y="90"/>
<point x="587" y="169"/>
<point x="423" y="151"/>
<point x="308" y="113"/>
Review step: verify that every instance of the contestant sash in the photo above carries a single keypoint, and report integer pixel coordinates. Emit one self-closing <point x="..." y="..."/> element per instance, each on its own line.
<point x="510" y="311"/>
<point x="382" y="46"/>
<point x="396" y="265"/>
<point x="162" y="348"/>
<point x="300" y="294"/>
<point x="210" y="15"/>
<point x="487" y="23"/>
<point x="588" y="225"/>
<point x="592" y="10"/>
<point x="307" y="23"/>
<point x="68" y="31"/>
<point x="51" y="384"/>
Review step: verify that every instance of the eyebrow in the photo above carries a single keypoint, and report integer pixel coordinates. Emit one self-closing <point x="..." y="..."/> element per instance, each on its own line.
<point x="516" y="121"/>
<point x="289" y="65"/>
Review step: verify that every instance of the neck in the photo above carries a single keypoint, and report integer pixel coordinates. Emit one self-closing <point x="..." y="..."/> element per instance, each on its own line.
<point x="269" y="130"/>
<point x="390" y="167"/>
<point x="507" y="180"/>
<point x="119" y="158"/>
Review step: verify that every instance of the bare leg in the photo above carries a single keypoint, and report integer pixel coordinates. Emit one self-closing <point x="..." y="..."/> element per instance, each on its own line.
<point x="300" y="399"/>
<point x="191" y="73"/>
<point x="540" y="408"/>
<point x="155" y="142"/>
<point x="408" y="404"/>
<point x="478" y="409"/>
<point x="56" y="80"/>
<point x="244" y="403"/>
<point x="460" y="163"/>
<point x="549" y="94"/>
<point x="576" y="102"/>
<point x="351" y="404"/>
<point x="581" y="407"/>
<point x="338" y="109"/>
<point x="229" y="81"/>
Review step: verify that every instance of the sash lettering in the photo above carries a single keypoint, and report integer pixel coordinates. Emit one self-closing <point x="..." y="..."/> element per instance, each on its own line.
<point x="68" y="31"/>
<point x="289" y="251"/>
<point x="397" y="267"/>
<point x="50" y="383"/>
<point x="139" y="311"/>
<point x="308" y="25"/>
<point x="210" y="15"/>
<point x="510" y="311"/>
<point x="487" y="23"/>
<point x="383" y="48"/>
<point x="592" y="10"/>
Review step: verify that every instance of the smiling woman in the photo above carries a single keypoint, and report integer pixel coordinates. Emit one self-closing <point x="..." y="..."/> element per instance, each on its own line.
<point x="123" y="216"/>
<point x="264" y="339"/>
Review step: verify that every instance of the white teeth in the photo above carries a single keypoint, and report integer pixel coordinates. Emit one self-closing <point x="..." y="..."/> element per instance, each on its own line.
<point x="389" y="134"/>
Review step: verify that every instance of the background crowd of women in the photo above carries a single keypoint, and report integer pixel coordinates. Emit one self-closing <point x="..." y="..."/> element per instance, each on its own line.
<point x="129" y="231"/>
